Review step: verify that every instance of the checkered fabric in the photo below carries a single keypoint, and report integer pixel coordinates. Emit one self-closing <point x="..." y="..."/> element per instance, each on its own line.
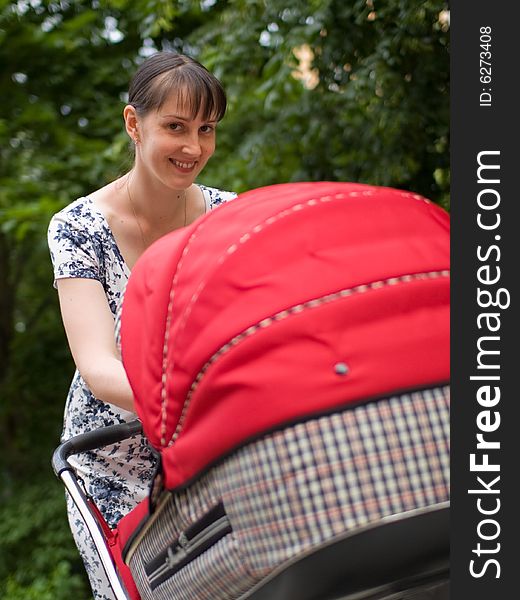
<point x="301" y="487"/>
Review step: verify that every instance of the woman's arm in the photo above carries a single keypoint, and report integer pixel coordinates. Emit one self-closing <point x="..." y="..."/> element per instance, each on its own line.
<point x="89" y="325"/>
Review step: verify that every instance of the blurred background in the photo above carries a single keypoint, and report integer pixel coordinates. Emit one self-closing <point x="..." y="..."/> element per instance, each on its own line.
<point x="354" y="90"/>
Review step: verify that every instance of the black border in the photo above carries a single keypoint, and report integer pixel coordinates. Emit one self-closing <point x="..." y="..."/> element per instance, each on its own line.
<point x="476" y="128"/>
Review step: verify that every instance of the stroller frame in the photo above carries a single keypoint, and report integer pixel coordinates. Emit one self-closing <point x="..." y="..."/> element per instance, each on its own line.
<point x="93" y="519"/>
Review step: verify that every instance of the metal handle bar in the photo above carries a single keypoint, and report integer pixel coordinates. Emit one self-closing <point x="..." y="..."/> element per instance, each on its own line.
<point x="84" y="442"/>
<point x="92" y="440"/>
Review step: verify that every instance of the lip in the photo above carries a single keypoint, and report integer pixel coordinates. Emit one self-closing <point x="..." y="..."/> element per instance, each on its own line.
<point x="184" y="166"/>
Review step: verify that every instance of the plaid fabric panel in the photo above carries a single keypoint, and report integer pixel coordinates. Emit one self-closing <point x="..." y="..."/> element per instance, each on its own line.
<point x="218" y="574"/>
<point x="295" y="489"/>
<point x="176" y="516"/>
<point x="299" y="487"/>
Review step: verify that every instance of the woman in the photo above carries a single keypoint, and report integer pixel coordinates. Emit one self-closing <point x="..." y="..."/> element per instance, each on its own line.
<point x="173" y="109"/>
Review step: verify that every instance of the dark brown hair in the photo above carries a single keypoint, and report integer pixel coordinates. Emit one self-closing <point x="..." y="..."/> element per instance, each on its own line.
<point x="165" y="73"/>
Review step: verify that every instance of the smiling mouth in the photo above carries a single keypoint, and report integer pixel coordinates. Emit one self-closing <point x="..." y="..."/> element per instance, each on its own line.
<point x="182" y="165"/>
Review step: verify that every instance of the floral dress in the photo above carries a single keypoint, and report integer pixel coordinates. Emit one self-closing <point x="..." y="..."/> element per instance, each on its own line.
<point x="117" y="477"/>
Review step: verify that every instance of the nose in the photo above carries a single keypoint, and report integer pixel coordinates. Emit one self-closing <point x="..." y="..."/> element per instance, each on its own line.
<point x="191" y="146"/>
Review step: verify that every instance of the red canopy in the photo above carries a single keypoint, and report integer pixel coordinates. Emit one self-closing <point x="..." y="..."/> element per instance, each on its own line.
<point x="291" y="300"/>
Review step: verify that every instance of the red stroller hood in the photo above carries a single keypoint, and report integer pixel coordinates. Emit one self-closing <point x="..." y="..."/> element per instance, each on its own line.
<point x="290" y="300"/>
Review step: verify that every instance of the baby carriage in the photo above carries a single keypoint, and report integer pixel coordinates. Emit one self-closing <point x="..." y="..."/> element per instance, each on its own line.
<point x="289" y="358"/>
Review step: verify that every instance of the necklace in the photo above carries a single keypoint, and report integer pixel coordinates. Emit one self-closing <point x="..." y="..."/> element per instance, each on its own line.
<point x="143" y="238"/>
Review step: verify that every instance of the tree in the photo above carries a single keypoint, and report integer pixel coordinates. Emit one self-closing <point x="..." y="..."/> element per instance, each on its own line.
<point x="371" y="103"/>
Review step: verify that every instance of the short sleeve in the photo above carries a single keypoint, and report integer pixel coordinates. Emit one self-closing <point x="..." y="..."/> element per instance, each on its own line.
<point x="72" y="249"/>
<point x="213" y="197"/>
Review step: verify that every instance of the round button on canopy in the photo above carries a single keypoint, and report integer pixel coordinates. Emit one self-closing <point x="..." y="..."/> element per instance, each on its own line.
<point x="341" y="368"/>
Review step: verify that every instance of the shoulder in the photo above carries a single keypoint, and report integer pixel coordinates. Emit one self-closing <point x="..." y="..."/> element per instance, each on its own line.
<point x="79" y="216"/>
<point x="214" y="196"/>
<point x="81" y="212"/>
<point x="77" y="225"/>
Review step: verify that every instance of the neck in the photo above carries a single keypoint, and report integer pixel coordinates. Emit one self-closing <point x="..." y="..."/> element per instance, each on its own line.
<point x="155" y="203"/>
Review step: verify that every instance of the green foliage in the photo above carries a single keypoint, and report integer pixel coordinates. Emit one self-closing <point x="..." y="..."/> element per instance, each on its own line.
<point x="376" y="112"/>
<point x="39" y="560"/>
<point x="318" y="90"/>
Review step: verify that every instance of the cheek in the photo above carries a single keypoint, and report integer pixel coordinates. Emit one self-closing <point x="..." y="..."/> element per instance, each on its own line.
<point x="153" y="147"/>
<point x="209" y="147"/>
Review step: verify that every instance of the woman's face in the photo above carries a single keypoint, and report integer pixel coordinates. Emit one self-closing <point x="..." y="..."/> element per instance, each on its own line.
<point x="174" y="147"/>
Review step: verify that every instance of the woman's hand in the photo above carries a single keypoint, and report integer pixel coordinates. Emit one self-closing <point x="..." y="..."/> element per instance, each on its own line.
<point x="89" y="325"/>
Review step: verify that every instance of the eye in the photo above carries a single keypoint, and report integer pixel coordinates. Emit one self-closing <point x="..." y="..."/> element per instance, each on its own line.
<point x="207" y="128"/>
<point x="174" y="126"/>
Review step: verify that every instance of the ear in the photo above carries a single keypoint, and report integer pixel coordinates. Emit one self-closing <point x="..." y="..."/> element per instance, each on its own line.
<point x="131" y="122"/>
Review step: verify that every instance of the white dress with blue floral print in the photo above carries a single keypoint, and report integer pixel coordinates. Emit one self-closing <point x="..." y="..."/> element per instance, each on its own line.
<point x="117" y="477"/>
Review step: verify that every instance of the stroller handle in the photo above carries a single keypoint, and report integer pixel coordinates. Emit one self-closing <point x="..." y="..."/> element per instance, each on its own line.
<point x="92" y="440"/>
<point x="93" y="520"/>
